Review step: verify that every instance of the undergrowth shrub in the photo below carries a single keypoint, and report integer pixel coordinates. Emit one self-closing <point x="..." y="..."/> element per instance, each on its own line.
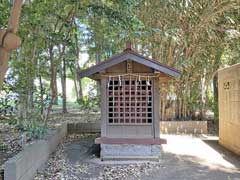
<point x="34" y="129"/>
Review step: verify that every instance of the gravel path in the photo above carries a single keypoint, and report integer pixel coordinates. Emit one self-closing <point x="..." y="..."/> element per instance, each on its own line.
<point x="184" y="157"/>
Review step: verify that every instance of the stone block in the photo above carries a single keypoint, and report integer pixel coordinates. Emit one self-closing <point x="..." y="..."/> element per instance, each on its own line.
<point x="130" y="151"/>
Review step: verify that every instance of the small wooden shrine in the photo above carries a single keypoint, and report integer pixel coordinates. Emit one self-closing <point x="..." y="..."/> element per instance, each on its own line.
<point x="130" y="108"/>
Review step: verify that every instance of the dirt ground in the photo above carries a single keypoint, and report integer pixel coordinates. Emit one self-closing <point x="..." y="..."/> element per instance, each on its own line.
<point x="9" y="142"/>
<point x="183" y="157"/>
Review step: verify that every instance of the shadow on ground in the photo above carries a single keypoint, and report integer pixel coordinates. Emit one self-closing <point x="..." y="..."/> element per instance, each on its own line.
<point x="82" y="149"/>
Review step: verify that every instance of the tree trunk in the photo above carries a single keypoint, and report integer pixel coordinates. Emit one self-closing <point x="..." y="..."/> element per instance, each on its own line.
<point x="4" y="55"/>
<point x="41" y="94"/>
<point x="22" y="106"/>
<point x="63" y="80"/>
<point x="30" y="79"/>
<point x="98" y="60"/>
<point x="74" y="74"/>
<point x="12" y="27"/>
<point x="77" y="71"/>
<point x="53" y="76"/>
<point x="215" y="95"/>
<point x="79" y="84"/>
<point x="75" y="85"/>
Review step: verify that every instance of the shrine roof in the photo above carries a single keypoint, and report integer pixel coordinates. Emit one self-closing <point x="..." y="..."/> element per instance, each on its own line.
<point x="129" y="54"/>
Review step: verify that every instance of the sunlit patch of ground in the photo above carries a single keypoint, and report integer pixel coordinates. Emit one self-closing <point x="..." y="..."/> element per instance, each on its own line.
<point x="198" y="151"/>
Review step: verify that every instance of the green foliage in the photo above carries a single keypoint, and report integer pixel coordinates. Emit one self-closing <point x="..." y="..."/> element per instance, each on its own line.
<point x="4" y="13"/>
<point x="213" y="105"/>
<point x="36" y="130"/>
<point x="3" y="146"/>
<point x="89" y="104"/>
<point x="8" y="100"/>
<point x="197" y="37"/>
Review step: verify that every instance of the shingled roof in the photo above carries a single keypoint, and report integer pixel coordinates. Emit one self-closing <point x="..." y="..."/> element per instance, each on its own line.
<point x="129" y="54"/>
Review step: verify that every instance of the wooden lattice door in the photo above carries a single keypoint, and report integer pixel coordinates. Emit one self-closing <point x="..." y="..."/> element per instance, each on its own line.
<point x="130" y="101"/>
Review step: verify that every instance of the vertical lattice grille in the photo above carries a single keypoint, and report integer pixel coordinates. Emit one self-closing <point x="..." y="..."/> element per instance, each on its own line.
<point x="130" y="101"/>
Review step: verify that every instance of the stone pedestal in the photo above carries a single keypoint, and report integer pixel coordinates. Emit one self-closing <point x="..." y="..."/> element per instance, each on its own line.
<point x="130" y="152"/>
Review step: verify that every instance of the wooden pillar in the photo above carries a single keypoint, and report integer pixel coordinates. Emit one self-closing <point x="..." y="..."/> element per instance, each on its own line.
<point x="156" y="103"/>
<point x="104" y="106"/>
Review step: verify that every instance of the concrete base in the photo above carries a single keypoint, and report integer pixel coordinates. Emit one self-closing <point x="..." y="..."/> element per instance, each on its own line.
<point x="130" y="152"/>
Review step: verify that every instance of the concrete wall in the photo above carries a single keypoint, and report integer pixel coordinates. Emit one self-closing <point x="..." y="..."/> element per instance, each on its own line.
<point x="83" y="128"/>
<point x="229" y="107"/>
<point x="183" y="127"/>
<point x="24" y="165"/>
